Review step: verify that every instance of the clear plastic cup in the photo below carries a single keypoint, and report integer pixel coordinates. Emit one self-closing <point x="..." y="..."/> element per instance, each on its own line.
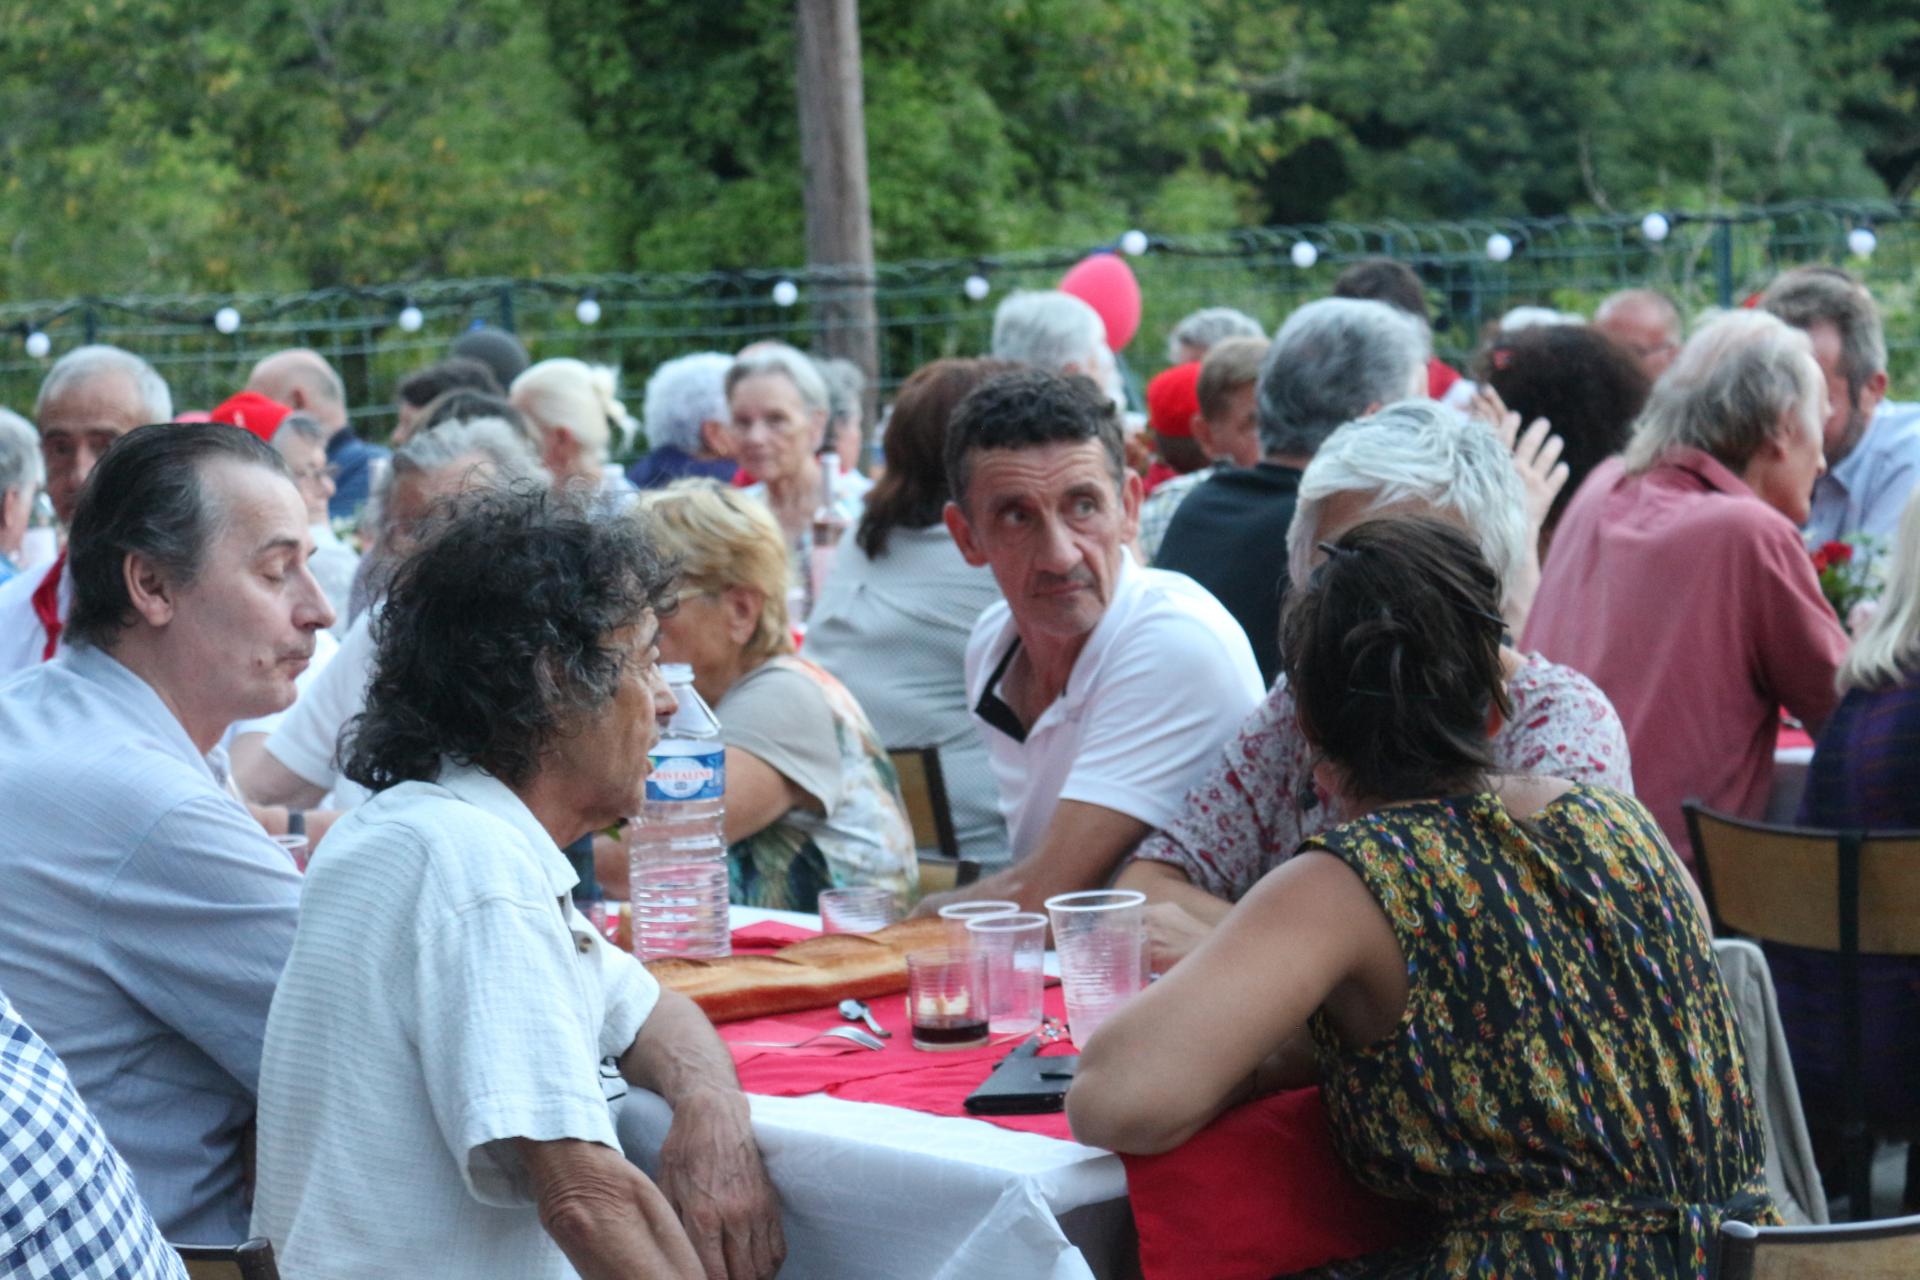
<point x="1015" y="947"/>
<point x="1101" y="936"/>
<point x="957" y="914"/>
<point x="299" y="848"/>
<point x="947" y="999"/>
<point x="858" y="910"/>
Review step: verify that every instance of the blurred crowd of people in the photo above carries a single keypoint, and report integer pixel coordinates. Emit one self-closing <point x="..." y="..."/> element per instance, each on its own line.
<point x="1323" y="597"/>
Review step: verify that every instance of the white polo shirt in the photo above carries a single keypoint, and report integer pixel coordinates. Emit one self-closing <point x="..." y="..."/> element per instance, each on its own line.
<point x="442" y="997"/>
<point x="1162" y="684"/>
<point x="308" y="733"/>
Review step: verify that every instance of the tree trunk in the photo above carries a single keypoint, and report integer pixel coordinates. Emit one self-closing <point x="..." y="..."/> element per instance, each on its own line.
<point x="833" y="156"/>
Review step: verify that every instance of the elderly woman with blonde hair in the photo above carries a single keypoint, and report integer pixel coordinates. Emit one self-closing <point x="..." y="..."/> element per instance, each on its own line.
<point x="812" y="800"/>
<point x="575" y="407"/>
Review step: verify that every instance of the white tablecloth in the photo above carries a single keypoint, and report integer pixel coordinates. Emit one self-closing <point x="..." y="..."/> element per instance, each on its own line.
<point x="874" y="1192"/>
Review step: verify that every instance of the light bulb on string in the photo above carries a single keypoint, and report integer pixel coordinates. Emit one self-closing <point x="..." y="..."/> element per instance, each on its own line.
<point x="587" y="310"/>
<point x="410" y="319"/>
<point x="785" y="293"/>
<point x="1303" y="254"/>
<point x="38" y="344"/>
<point x="1133" y="243"/>
<point x="1861" y="242"/>
<point x="1655" y="227"/>
<point x="1499" y="246"/>
<point x="977" y="287"/>
<point x="227" y="320"/>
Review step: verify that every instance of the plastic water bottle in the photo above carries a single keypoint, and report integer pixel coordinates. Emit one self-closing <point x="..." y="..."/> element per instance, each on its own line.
<point x="676" y="848"/>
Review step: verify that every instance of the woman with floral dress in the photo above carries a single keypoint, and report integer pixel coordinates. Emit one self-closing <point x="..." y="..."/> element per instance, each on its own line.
<point x="1504" y="984"/>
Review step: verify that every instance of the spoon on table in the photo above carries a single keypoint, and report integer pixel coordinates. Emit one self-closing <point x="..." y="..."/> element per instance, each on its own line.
<point x="854" y="1011"/>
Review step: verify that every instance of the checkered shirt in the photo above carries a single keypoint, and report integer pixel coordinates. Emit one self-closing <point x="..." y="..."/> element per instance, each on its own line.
<point x="68" y="1208"/>
<point x="1156" y="513"/>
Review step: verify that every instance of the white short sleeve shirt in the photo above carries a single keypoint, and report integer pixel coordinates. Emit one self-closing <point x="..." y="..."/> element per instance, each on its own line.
<point x="443" y="997"/>
<point x="308" y="733"/>
<point x="1162" y="684"/>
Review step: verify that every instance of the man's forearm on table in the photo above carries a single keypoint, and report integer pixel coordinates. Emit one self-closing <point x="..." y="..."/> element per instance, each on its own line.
<point x="678" y="1053"/>
<point x="1163" y="882"/>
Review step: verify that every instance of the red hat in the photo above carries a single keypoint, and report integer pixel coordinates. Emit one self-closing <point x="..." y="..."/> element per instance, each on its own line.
<point x="251" y="411"/>
<point x="1173" y="399"/>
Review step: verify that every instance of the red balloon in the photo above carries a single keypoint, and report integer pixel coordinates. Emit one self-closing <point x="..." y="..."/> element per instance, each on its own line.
<point x="1107" y="284"/>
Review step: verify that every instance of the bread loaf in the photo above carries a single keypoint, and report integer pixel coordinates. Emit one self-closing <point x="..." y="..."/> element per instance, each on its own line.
<point x="810" y="974"/>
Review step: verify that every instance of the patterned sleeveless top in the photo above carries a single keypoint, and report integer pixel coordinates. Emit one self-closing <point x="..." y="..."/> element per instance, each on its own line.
<point x="1567" y="1089"/>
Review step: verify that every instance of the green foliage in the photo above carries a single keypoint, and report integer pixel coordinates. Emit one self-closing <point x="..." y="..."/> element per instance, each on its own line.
<point x="261" y="145"/>
<point x="990" y="124"/>
<point x="157" y="144"/>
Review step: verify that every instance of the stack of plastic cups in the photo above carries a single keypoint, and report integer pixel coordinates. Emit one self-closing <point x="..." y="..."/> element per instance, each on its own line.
<point x="1015" y="947"/>
<point x="1101" y="936"/>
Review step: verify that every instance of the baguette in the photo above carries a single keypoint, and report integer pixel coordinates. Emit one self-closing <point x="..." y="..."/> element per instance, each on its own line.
<point x="810" y="974"/>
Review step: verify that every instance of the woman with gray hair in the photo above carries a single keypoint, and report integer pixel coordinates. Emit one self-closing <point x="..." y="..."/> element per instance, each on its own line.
<point x="1414" y="458"/>
<point x="21" y="474"/>
<point x="684" y="416"/>
<point x="779" y="405"/>
<point x="1678" y="581"/>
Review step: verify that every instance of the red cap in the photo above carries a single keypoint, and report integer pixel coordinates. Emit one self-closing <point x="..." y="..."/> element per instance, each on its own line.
<point x="251" y="411"/>
<point x="1173" y="399"/>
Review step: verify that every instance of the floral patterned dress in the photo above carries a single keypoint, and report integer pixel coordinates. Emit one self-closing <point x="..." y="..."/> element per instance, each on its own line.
<point x="1567" y="1089"/>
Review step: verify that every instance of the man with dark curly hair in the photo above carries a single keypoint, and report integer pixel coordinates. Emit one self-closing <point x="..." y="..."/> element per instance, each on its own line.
<point x="1102" y="689"/>
<point x="430" y="1092"/>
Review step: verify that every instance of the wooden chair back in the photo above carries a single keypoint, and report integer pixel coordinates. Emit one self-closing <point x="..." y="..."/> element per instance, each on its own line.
<point x="1799" y="885"/>
<point x="1849" y="892"/>
<point x="1884" y="1250"/>
<point x="249" y="1260"/>
<point x="924" y="787"/>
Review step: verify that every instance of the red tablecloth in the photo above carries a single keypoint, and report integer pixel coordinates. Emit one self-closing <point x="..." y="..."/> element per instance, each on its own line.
<point x="899" y="1075"/>
<point x="1258" y="1192"/>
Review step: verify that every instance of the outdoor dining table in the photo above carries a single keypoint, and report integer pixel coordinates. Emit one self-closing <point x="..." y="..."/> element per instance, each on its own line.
<point x="875" y="1192"/>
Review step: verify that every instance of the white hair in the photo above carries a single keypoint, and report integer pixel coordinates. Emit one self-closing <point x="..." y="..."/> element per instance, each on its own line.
<point x="1050" y="330"/>
<point x="1887" y="651"/>
<point x="576" y="397"/>
<point x="794" y="365"/>
<point x="1728" y="391"/>
<point x="84" y="363"/>
<point x="505" y="449"/>
<point x="1531" y="317"/>
<point x="1330" y="361"/>
<point x="1210" y="325"/>
<point x="21" y="466"/>
<point x="682" y="394"/>
<point x="1419" y="451"/>
<point x="305" y="426"/>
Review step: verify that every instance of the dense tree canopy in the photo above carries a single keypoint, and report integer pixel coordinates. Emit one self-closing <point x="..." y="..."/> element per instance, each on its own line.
<point x="280" y="144"/>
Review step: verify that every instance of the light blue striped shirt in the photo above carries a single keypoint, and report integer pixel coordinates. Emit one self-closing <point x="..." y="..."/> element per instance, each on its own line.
<point x="1869" y="489"/>
<point x="144" y="919"/>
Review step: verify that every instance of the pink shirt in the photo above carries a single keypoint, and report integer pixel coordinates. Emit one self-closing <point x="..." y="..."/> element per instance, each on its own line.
<point x="1694" y="606"/>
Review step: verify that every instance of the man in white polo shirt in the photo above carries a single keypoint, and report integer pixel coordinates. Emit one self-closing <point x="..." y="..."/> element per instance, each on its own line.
<point x="430" y="1093"/>
<point x="1102" y="689"/>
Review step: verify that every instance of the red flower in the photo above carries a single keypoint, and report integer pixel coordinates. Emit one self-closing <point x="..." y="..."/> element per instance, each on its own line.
<point x="1837" y="552"/>
<point x="1820" y="561"/>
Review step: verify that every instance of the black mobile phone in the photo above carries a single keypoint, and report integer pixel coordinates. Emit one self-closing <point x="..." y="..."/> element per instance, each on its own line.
<point x="1024" y="1084"/>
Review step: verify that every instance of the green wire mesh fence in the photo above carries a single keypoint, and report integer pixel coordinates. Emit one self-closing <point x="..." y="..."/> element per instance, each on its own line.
<point x="1474" y="272"/>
